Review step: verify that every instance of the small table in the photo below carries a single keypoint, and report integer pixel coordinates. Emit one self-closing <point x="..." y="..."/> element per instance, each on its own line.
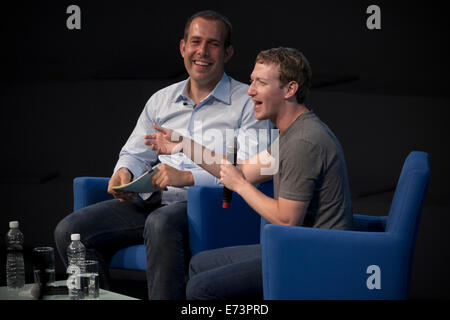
<point x="25" y="294"/>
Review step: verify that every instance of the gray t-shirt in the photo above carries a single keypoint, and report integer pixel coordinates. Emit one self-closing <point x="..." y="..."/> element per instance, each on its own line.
<point x="312" y="168"/>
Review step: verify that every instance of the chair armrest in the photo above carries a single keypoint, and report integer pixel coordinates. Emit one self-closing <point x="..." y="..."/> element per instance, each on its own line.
<point x="369" y="223"/>
<point x="211" y="226"/>
<point x="89" y="190"/>
<point x="312" y="263"/>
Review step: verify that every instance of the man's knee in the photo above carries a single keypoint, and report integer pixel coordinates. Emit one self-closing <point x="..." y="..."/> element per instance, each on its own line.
<point x="199" y="288"/>
<point x="75" y="222"/>
<point x="166" y="221"/>
<point x="62" y="232"/>
<point x="64" y="228"/>
<point x="155" y="224"/>
<point x="196" y="264"/>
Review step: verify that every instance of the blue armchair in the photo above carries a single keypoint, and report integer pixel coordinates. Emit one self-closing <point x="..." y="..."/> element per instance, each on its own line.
<point x="210" y="226"/>
<point x="373" y="261"/>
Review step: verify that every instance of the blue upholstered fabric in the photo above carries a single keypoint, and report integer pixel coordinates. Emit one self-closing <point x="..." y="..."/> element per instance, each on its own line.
<point x="298" y="262"/>
<point x="129" y="258"/>
<point x="210" y="226"/>
<point x="89" y="190"/>
<point x="309" y="263"/>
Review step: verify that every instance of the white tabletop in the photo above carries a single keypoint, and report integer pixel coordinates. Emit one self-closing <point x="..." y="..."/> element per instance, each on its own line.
<point x="25" y="294"/>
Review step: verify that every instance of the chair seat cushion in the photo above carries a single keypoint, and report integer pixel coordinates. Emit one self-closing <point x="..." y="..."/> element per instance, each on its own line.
<point x="129" y="258"/>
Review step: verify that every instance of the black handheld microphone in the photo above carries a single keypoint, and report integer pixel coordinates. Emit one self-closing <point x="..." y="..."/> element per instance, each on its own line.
<point x="231" y="154"/>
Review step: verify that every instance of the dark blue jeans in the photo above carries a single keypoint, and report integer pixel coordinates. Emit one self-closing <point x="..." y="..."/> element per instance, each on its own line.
<point x="109" y="226"/>
<point x="226" y="273"/>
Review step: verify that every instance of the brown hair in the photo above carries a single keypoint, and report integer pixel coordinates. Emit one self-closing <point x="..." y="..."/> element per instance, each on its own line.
<point x="293" y="67"/>
<point x="211" y="15"/>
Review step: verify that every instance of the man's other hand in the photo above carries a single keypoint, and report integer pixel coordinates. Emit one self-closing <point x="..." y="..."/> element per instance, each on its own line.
<point x="169" y="176"/>
<point x="165" y="141"/>
<point x="122" y="176"/>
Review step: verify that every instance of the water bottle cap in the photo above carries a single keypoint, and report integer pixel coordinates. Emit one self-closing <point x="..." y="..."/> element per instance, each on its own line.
<point x="75" y="236"/>
<point x="14" y="224"/>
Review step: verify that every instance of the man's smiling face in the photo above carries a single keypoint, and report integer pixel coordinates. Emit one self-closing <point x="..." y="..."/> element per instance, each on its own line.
<point x="204" y="52"/>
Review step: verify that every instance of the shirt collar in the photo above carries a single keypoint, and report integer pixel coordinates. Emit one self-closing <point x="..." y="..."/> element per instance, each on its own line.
<point x="221" y="92"/>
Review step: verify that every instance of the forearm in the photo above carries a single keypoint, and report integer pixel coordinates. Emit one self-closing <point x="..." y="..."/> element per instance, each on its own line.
<point x="265" y="206"/>
<point x="134" y="165"/>
<point x="135" y="155"/>
<point x="211" y="161"/>
<point x="202" y="156"/>
<point x="204" y="178"/>
<point x="169" y="142"/>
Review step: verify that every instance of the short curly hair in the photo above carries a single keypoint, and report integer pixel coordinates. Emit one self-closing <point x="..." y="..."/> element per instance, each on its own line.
<point x="293" y="67"/>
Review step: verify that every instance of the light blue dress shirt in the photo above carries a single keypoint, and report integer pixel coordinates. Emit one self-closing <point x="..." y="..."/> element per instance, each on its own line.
<point x="226" y="113"/>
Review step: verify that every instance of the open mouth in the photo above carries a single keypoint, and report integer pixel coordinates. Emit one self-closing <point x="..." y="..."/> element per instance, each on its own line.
<point x="257" y="104"/>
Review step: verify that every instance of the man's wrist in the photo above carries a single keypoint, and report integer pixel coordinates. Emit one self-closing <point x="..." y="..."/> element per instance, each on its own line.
<point x="243" y="186"/>
<point x="178" y="148"/>
<point x="129" y="171"/>
<point x="188" y="178"/>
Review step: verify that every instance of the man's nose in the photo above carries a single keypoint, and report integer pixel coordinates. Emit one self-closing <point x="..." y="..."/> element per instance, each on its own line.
<point x="251" y="90"/>
<point x="203" y="49"/>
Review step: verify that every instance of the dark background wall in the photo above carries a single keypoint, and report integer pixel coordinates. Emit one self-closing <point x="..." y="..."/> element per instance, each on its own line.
<point x="70" y="98"/>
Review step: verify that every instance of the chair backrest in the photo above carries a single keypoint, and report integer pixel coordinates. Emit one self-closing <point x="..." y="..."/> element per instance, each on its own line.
<point x="407" y="204"/>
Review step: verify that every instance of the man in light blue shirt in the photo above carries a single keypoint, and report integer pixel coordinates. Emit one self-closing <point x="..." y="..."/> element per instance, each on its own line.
<point x="215" y="117"/>
<point x="209" y="107"/>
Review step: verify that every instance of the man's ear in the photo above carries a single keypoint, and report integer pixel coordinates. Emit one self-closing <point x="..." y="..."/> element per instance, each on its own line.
<point x="182" y="47"/>
<point x="291" y="89"/>
<point x="229" y="53"/>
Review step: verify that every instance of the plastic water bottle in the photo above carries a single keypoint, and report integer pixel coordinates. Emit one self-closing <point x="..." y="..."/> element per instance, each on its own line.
<point x="15" y="267"/>
<point x="76" y="254"/>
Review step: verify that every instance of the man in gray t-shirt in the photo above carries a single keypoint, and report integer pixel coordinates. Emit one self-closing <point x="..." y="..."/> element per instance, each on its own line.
<point x="312" y="168"/>
<point x="306" y="162"/>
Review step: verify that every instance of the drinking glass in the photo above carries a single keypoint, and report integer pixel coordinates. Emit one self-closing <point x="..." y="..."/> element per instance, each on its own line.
<point x="84" y="283"/>
<point x="44" y="265"/>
